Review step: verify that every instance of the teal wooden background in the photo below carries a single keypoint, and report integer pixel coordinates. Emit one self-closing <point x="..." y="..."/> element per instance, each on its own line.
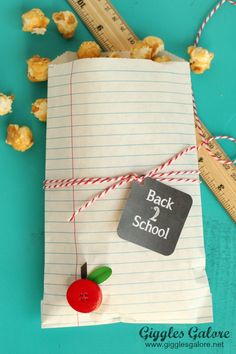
<point x="22" y="197"/>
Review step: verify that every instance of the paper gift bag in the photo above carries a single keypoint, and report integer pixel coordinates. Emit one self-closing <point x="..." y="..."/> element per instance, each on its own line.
<point x="109" y="117"/>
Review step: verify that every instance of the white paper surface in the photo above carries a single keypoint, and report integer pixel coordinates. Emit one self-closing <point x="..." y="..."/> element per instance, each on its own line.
<point x="108" y="117"/>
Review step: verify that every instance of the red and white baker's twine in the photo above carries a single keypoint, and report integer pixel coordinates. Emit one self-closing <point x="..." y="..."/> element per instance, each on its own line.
<point x="213" y="11"/>
<point x="156" y="173"/>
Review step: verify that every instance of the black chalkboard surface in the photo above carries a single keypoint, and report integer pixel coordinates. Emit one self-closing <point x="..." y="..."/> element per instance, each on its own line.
<point x="154" y="216"/>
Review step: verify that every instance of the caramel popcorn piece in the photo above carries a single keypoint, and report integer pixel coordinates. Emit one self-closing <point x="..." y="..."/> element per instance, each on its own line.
<point x="141" y="50"/>
<point x="35" y="21"/>
<point x="39" y="109"/>
<point x="200" y="59"/>
<point x="89" y="50"/>
<point x="66" y="23"/>
<point x="162" y="59"/>
<point x="155" y="43"/>
<point x="38" y="68"/>
<point x="5" y="104"/>
<point x="20" y="138"/>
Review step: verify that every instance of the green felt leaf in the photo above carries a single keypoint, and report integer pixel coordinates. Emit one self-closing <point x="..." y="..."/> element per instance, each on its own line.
<point x="100" y="274"/>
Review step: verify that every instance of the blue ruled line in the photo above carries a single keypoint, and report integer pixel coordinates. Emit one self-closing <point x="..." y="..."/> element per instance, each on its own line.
<point x="105" y="232"/>
<point x="136" y="313"/>
<point x="143" y="272"/>
<point x="106" y="167"/>
<point x="101" y="200"/>
<point x="114" y="156"/>
<point x="122" y="252"/>
<point x="99" y="221"/>
<point x="111" y="113"/>
<point x="87" y="211"/>
<point x="119" y="135"/>
<point x="115" y="319"/>
<point x="121" y="70"/>
<point x="139" y="282"/>
<point x="140" y="303"/>
<point x="121" y="123"/>
<point x="91" y="211"/>
<point x="118" y="188"/>
<point x="129" y="81"/>
<point x="115" y="91"/>
<point x="143" y="292"/>
<point x="134" y="262"/>
<point x="116" y="145"/>
<point x="119" y="102"/>
<point x="105" y="242"/>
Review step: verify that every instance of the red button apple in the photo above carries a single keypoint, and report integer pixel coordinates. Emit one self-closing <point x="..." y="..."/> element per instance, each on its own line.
<point x="85" y="295"/>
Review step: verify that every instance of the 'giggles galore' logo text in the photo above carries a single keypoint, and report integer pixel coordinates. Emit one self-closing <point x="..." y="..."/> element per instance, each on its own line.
<point x="193" y="333"/>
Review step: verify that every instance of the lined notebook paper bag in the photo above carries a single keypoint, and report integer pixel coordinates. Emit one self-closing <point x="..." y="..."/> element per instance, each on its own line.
<point x="109" y="117"/>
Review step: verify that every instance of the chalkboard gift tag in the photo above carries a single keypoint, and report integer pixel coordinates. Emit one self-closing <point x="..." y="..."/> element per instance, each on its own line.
<point x="154" y="216"/>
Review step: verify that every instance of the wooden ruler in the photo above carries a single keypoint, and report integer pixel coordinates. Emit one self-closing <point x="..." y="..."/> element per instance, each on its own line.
<point x="220" y="178"/>
<point x="105" y="23"/>
<point x="113" y="33"/>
